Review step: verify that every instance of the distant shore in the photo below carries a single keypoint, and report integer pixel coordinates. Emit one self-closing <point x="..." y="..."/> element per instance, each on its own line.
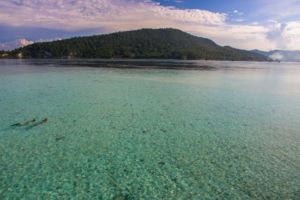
<point x="145" y="63"/>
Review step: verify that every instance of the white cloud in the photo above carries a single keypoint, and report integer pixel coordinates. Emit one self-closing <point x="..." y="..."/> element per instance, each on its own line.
<point x="276" y="56"/>
<point x="291" y="35"/>
<point x="77" y="14"/>
<point x="236" y="12"/>
<point x="15" y="44"/>
<point x="117" y="15"/>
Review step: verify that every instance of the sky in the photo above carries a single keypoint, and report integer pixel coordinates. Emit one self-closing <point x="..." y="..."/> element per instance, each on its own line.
<point x="255" y="24"/>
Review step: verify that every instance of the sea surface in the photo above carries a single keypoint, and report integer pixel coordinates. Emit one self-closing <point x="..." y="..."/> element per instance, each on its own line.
<point x="149" y="129"/>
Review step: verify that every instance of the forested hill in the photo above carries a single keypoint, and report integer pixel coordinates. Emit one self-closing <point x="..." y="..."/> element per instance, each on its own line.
<point x="144" y="43"/>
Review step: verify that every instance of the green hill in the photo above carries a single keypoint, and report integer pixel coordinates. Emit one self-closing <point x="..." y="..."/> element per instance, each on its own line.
<point x="144" y="43"/>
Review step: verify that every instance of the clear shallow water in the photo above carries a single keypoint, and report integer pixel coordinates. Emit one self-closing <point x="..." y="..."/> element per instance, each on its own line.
<point x="226" y="132"/>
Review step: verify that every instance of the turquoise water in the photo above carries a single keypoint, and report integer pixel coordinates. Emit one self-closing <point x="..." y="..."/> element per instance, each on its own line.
<point x="227" y="132"/>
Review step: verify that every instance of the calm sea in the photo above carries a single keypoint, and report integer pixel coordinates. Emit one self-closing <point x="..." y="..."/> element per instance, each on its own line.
<point x="142" y="130"/>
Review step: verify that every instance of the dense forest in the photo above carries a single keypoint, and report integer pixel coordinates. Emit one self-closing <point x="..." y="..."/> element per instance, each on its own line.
<point x="2" y="52"/>
<point x="144" y="43"/>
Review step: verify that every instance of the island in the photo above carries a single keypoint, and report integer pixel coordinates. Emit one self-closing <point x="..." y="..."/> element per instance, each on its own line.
<point x="165" y="43"/>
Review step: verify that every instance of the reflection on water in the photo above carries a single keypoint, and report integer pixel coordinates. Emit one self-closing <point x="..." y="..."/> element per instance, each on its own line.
<point x="151" y="63"/>
<point x="227" y="131"/>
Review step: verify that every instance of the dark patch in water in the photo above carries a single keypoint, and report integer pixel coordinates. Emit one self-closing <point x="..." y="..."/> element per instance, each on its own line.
<point x="24" y="123"/>
<point x="126" y="64"/>
<point x="44" y="121"/>
<point x="163" y="130"/>
<point x="60" y="138"/>
<point x="161" y="163"/>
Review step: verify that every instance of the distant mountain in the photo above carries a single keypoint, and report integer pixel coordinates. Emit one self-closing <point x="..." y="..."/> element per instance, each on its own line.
<point x="281" y="55"/>
<point x="144" y="43"/>
<point x="15" y="44"/>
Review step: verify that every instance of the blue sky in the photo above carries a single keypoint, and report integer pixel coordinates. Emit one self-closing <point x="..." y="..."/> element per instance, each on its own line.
<point x="212" y="5"/>
<point x="261" y="24"/>
<point x="251" y="9"/>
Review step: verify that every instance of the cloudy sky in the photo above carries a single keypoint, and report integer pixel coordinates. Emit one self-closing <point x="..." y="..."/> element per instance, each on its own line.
<point x="255" y="24"/>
